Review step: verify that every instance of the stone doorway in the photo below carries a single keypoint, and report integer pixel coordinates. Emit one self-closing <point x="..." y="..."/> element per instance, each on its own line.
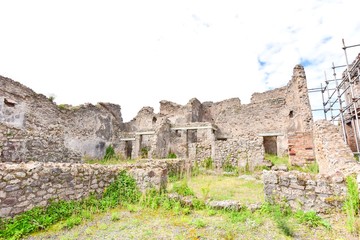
<point x="270" y="144"/>
<point x="128" y="149"/>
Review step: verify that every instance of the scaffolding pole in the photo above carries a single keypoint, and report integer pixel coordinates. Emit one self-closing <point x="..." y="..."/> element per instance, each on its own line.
<point x="342" y="97"/>
<point x="354" y="103"/>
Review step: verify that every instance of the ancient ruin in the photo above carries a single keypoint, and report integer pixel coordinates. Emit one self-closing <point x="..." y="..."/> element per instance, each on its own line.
<point x="43" y="145"/>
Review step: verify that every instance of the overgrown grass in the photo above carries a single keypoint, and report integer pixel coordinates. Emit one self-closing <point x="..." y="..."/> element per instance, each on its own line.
<point x="122" y="191"/>
<point x="155" y="215"/>
<point x="276" y="160"/>
<point x="284" y="160"/>
<point x="351" y="205"/>
<point x="227" y="188"/>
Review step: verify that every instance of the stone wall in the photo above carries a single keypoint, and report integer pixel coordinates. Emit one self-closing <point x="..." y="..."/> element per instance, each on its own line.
<point x="305" y="191"/>
<point x="239" y="152"/>
<point x="332" y="153"/>
<point x="53" y="132"/>
<point x="322" y="192"/>
<point x="301" y="148"/>
<point x="26" y="185"/>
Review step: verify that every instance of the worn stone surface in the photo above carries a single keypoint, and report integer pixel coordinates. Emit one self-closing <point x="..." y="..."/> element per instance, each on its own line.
<point x="321" y="193"/>
<point x="332" y="153"/>
<point x="38" y="182"/>
<point x="32" y="127"/>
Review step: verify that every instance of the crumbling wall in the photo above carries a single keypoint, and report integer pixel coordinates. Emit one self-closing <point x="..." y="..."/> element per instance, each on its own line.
<point x="322" y="192"/>
<point x="89" y="129"/>
<point x="305" y="191"/>
<point x="332" y="153"/>
<point x="51" y="132"/>
<point x="27" y="185"/>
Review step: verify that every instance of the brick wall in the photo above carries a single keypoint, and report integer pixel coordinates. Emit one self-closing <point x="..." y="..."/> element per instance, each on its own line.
<point x="301" y="148"/>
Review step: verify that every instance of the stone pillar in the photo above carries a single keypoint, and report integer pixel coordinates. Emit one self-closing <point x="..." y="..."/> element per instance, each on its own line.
<point x="137" y="146"/>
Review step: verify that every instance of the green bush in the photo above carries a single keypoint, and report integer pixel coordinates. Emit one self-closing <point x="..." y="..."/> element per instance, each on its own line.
<point x="144" y="152"/>
<point x="208" y="163"/>
<point x="109" y="153"/>
<point x="311" y="219"/>
<point x="171" y="155"/>
<point x="182" y="188"/>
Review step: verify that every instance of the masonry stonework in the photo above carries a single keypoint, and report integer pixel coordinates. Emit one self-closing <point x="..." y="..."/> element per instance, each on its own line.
<point x="26" y="185"/>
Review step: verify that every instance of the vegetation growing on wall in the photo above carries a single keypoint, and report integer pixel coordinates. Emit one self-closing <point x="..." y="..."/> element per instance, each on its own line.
<point x="122" y="191"/>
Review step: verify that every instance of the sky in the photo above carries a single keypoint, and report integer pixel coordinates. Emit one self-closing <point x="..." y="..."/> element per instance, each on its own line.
<point x="137" y="53"/>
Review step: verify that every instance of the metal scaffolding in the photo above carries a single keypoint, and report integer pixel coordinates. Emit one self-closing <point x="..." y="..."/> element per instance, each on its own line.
<point x="341" y="98"/>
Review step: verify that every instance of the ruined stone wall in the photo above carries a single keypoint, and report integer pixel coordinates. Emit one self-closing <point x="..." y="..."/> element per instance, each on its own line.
<point x="301" y="148"/>
<point x="324" y="191"/>
<point x="56" y="133"/>
<point x="332" y="153"/>
<point x="239" y="152"/>
<point x="89" y="129"/>
<point x="305" y="191"/>
<point x="179" y="115"/>
<point x="27" y="185"/>
<point x="200" y="151"/>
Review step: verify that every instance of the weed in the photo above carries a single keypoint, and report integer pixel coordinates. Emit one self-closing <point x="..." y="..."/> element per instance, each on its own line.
<point x="109" y="153"/>
<point x="205" y="191"/>
<point x="144" y="152"/>
<point x="198" y="204"/>
<point x="240" y="216"/>
<point x="208" y="163"/>
<point x="51" y="98"/>
<point x="351" y="204"/>
<point x="227" y="166"/>
<point x="72" y="222"/>
<point x="198" y="223"/>
<point x="182" y="188"/>
<point x="276" y="160"/>
<point x="195" y="171"/>
<point x="171" y="155"/>
<point x="62" y="106"/>
<point x="280" y="214"/>
<point x="311" y="219"/>
<point x="122" y="190"/>
<point x="115" y="216"/>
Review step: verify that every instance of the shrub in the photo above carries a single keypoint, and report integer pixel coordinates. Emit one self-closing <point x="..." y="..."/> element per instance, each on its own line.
<point x="171" y="155"/>
<point x="311" y="219"/>
<point x="144" y="151"/>
<point x="109" y="153"/>
<point x="208" y="163"/>
<point x="182" y="188"/>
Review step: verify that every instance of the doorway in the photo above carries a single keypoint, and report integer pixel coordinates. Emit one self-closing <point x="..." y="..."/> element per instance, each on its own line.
<point x="270" y="144"/>
<point x="128" y="149"/>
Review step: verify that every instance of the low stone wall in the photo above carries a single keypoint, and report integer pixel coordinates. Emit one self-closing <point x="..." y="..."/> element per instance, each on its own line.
<point x="26" y="185"/>
<point x="305" y="191"/>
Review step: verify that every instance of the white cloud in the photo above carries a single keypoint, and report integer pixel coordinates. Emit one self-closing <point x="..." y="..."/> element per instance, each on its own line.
<point x="136" y="53"/>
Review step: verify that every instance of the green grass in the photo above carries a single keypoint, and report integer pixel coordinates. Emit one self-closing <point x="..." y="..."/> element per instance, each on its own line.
<point x="226" y="188"/>
<point x="351" y="205"/>
<point x="122" y="213"/>
<point x="276" y="160"/>
<point x="111" y="161"/>
<point x="123" y="190"/>
<point x="284" y="160"/>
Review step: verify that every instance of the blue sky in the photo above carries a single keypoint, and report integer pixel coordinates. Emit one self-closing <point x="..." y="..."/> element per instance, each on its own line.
<point x="137" y="53"/>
